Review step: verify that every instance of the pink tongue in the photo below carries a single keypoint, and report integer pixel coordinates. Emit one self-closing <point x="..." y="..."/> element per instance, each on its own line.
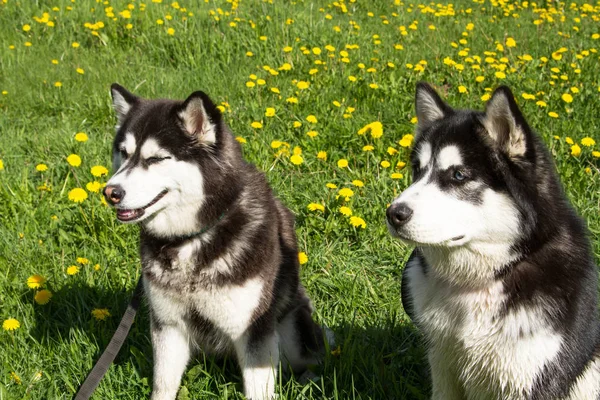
<point x="126" y="213"/>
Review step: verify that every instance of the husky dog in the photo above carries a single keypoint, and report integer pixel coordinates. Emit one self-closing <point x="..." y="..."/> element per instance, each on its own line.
<point x="502" y="282"/>
<point x="218" y="250"/>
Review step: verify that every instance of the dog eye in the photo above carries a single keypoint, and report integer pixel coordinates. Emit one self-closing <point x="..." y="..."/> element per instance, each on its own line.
<point x="154" y="160"/>
<point x="458" y="175"/>
<point x="124" y="154"/>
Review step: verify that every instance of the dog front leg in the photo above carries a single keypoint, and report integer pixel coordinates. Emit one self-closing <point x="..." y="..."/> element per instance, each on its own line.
<point x="171" y="348"/>
<point x="259" y="360"/>
<point x="445" y="385"/>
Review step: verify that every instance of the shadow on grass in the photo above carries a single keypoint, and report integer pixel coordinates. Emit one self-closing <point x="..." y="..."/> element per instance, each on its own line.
<point x="383" y="361"/>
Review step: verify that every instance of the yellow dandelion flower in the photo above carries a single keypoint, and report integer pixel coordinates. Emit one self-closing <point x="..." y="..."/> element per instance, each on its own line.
<point x="385" y="164"/>
<point x="374" y="86"/>
<point x="553" y="114"/>
<point x="256" y="125"/>
<point x="11" y="324"/>
<point x="74" y="160"/>
<point x="1" y="165"/>
<point x="302" y="258"/>
<point x="36" y="281"/>
<point x="26" y="28"/>
<point x="297" y="124"/>
<point x="80" y="71"/>
<point x="588" y="141"/>
<point x="347" y="211"/>
<point x="275" y="144"/>
<point x="15" y="377"/>
<point x="358" y="222"/>
<point x="57" y="84"/>
<point x="171" y="31"/>
<point x="296" y="159"/>
<point x="97" y="267"/>
<point x="567" y="98"/>
<point x="303" y="85"/>
<point x="462" y="89"/>
<point x="287" y="49"/>
<point x="352" y="78"/>
<point x="500" y="75"/>
<point x="81" y="137"/>
<point x="510" y="42"/>
<point x="292" y="100"/>
<point x="42" y="297"/>
<point x="596" y="154"/>
<point x="358" y="183"/>
<point x="41" y="167"/>
<point x="397" y="175"/>
<point x="322" y="155"/>
<point x="400" y="164"/>
<point x="28" y="44"/>
<point x="541" y="103"/>
<point x="312" y="119"/>
<point x="240" y="139"/>
<point x="78" y="195"/>
<point x="72" y="270"/>
<point x="297" y="150"/>
<point x="568" y="140"/>
<point x="376" y="129"/>
<point x="331" y="185"/>
<point x="575" y="150"/>
<point x="93" y="187"/>
<point x="342" y="163"/>
<point x="275" y="90"/>
<point x="83" y="260"/>
<point x="100" y="314"/>
<point x="346" y="193"/>
<point x="406" y="140"/>
<point x="316" y="207"/>
<point x="270" y="112"/>
<point x="98" y="170"/>
<point x="312" y="134"/>
<point x="75" y="45"/>
<point x="368" y="148"/>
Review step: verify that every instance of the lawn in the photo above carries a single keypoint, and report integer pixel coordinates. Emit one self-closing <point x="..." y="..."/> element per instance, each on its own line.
<point x="321" y="97"/>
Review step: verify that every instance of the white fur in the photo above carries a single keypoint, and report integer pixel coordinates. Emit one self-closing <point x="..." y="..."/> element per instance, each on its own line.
<point x="449" y="156"/>
<point x="502" y="126"/>
<point x="588" y="384"/>
<point x="193" y="116"/>
<point x="120" y="105"/>
<point x="171" y="347"/>
<point x="129" y="144"/>
<point x="473" y="351"/>
<point x="151" y="148"/>
<point x="424" y="154"/>
<point x="428" y="110"/>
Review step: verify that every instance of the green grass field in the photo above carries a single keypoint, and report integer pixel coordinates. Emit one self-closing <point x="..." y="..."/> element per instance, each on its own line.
<point x="347" y="64"/>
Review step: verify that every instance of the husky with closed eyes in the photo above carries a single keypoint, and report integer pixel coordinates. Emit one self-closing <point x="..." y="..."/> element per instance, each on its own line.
<point x="502" y="281"/>
<point x="219" y="255"/>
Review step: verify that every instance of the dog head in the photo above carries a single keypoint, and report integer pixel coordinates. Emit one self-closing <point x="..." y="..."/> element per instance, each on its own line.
<point x="168" y="156"/>
<point x="468" y="169"/>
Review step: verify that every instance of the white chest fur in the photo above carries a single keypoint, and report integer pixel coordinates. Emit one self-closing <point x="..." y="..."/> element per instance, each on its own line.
<point x="489" y="354"/>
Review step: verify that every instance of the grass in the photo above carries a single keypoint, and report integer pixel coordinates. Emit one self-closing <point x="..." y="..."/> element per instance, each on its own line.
<point x="353" y="273"/>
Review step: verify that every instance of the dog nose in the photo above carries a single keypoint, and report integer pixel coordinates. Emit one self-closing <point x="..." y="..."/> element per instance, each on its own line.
<point x="114" y="194"/>
<point x="398" y="214"/>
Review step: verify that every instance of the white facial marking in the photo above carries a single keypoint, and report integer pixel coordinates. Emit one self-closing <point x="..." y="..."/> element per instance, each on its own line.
<point x="424" y="154"/>
<point x="151" y="148"/>
<point x="449" y="156"/>
<point x="129" y="144"/>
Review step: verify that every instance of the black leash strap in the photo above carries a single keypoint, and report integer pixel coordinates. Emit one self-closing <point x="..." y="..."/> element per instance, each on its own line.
<point x="106" y="359"/>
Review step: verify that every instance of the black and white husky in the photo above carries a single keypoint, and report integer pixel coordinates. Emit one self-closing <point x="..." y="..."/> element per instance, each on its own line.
<point x="502" y="282"/>
<point x="218" y="250"/>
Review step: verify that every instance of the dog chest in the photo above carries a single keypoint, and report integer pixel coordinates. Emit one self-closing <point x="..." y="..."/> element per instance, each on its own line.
<point x="491" y="352"/>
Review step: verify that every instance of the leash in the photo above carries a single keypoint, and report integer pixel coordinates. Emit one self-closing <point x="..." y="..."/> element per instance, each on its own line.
<point x="111" y="351"/>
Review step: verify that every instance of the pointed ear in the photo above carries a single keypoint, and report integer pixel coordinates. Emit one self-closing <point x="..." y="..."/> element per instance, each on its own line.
<point x="505" y="124"/>
<point x="200" y="117"/>
<point x="123" y="100"/>
<point x="429" y="106"/>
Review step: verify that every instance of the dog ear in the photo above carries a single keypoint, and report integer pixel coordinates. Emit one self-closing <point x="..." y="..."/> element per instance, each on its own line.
<point x="200" y="117"/>
<point x="123" y="100"/>
<point x="505" y="124"/>
<point x="429" y="106"/>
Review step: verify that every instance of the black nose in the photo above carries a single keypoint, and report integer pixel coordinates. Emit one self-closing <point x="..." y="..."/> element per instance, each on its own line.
<point x="114" y="194"/>
<point x="398" y="214"/>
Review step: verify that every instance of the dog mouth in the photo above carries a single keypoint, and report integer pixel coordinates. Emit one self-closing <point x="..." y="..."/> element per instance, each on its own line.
<point x="128" y="215"/>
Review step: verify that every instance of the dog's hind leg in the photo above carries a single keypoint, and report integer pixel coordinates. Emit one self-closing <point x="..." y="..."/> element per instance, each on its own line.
<point x="258" y="355"/>
<point x="171" y="349"/>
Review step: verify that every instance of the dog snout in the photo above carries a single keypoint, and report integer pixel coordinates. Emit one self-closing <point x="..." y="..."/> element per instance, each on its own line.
<point x="114" y="194"/>
<point x="398" y="214"/>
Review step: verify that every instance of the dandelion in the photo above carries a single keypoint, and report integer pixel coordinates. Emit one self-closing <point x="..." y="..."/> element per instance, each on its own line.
<point x="406" y="140"/>
<point x="588" y="141"/>
<point x="287" y="49"/>
<point x="97" y="267"/>
<point x="567" y="98"/>
<point x="98" y="170"/>
<point x="303" y="85"/>
<point x="331" y="185"/>
<point x="462" y="89"/>
<point x="1" y="165"/>
<point x="358" y="183"/>
<point x="74" y="160"/>
<point x="171" y="31"/>
<point x="292" y="100"/>
<point x="82" y="260"/>
<point x="297" y="124"/>
<point x="358" y="222"/>
<point x="568" y="140"/>
<point x="596" y="154"/>
<point x="100" y="314"/>
<point x="541" y="103"/>
<point x="346" y="193"/>
<point x="575" y="150"/>
<point x="352" y="78"/>
<point x="256" y="125"/>
<point x="553" y="114"/>
<point x="15" y="377"/>
<point x="302" y="258"/>
<point x="500" y="75"/>
<point x="270" y="112"/>
<point x="250" y="84"/>
<point x="296" y="159"/>
<point x="36" y="281"/>
<point x="312" y="119"/>
<point x="78" y="195"/>
<point x="42" y="297"/>
<point x="81" y="137"/>
<point x="72" y="270"/>
<point x="80" y="71"/>
<point x="345" y="211"/>
<point x="275" y="144"/>
<point x="397" y="175"/>
<point x="374" y="86"/>
<point x="75" y="45"/>
<point x="322" y="155"/>
<point x="316" y="207"/>
<point x="26" y="28"/>
<point x="41" y="167"/>
<point x="385" y="164"/>
<point x="342" y="163"/>
<point x="510" y="42"/>
<point x="368" y="148"/>
<point x="11" y="324"/>
<point x="240" y="139"/>
<point x="57" y="84"/>
<point x="312" y="134"/>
